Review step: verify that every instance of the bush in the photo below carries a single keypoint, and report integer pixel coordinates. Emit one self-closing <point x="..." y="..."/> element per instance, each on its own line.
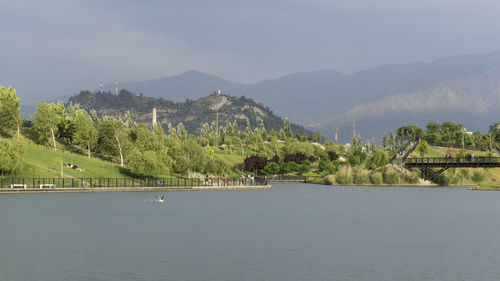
<point x="332" y="155"/>
<point x="329" y="180"/>
<point x="298" y="158"/>
<point x="377" y="160"/>
<point x="254" y="163"/>
<point x="289" y="167"/>
<point x="328" y="166"/>
<point x="216" y="167"/>
<point x="461" y="153"/>
<point x="478" y="175"/>
<point x="10" y="157"/>
<point x="413" y="178"/>
<point x="390" y="176"/>
<point x="344" y="175"/>
<point x="304" y="168"/>
<point x="464" y="173"/>
<point x="271" y="168"/>
<point x="454" y="176"/>
<point x="146" y="164"/>
<point x="376" y="178"/>
<point x="361" y="176"/>
<point x="442" y="179"/>
<point x="356" y="157"/>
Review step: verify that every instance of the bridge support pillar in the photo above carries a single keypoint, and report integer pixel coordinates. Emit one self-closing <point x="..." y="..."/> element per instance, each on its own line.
<point x="429" y="174"/>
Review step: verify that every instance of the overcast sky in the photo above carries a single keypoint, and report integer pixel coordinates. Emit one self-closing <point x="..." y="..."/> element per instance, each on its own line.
<point x="55" y="48"/>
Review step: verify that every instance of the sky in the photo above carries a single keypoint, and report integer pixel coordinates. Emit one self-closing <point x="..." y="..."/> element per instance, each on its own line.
<point x="50" y="49"/>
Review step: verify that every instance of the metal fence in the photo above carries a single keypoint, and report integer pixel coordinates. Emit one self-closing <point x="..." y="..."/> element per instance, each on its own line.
<point x="128" y="182"/>
<point x="291" y="178"/>
<point x="455" y="161"/>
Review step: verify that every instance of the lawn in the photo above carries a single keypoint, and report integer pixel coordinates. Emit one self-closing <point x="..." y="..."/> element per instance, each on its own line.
<point x="39" y="161"/>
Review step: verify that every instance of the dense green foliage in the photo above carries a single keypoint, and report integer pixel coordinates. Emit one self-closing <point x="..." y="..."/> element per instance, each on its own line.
<point x="10" y="111"/>
<point x="449" y="134"/>
<point x="10" y="156"/>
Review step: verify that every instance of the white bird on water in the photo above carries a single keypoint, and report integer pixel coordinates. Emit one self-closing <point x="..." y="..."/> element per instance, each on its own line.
<point x="160" y="199"/>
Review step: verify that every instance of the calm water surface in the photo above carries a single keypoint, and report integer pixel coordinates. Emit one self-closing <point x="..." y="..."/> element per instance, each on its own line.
<point x="293" y="232"/>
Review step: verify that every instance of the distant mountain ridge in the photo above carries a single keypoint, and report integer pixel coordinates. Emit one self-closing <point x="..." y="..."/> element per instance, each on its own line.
<point x="314" y="98"/>
<point x="192" y="113"/>
<point x="471" y="100"/>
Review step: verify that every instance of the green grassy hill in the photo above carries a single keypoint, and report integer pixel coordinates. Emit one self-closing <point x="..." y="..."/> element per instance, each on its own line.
<point x="40" y="162"/>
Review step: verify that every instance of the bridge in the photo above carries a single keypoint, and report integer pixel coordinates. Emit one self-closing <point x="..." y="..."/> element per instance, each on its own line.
<point x="432" y="167"/>
<point x="441" y="164"/>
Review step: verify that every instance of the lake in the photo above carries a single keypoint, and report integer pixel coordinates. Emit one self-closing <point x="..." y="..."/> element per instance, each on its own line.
<point x="292" y="232"/>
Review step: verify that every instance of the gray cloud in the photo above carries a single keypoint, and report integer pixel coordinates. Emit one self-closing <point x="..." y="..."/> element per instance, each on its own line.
<point x="52" y="48"/>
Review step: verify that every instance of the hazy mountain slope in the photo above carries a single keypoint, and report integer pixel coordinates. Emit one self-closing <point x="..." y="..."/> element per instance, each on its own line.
<point x="192" y="113"/>
<point x="472" y="100"/>
<point x="310" y="97"/>
<point x="317" y="95"/>
<point x="191" y="84"/>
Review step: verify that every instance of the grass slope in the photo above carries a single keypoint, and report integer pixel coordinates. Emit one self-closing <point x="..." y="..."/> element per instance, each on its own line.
<point x="40" y="162"/>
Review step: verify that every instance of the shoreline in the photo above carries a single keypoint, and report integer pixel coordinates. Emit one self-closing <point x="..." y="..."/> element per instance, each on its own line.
<point x="132" y="189"/>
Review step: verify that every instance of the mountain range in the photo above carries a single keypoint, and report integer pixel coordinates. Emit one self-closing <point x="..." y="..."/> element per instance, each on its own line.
<point x="462" y="89"/>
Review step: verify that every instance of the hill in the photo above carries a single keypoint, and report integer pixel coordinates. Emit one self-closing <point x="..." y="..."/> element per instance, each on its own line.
<point x="192" y="113"/>
<point x="470" y="100"/>
<point x="41" y="162"/>
<point x="310" y="98"/>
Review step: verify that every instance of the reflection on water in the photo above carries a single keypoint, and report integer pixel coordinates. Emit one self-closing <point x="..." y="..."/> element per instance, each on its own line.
<point x="292" y="232"/>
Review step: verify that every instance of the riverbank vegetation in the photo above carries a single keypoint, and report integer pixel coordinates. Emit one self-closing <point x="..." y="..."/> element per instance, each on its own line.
<point x="61" y="134"/>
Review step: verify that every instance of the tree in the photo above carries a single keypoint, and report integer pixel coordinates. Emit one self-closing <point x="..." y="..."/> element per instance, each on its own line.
<point x="10" y="157"/>
<point x="495" y="130"/>
<point x="422" y="148"/>
<point x="65" y="121"/>
<point x="378" y="159"/>
<point x="85" y="134"/>
<point x="181" y="131"/>
<point x="145" y="140"/>
<point x="433" y="127"/>
<point x="188" y="156"/>
<point x="113" y="137"/>
<point x="316" y="137"/>
<point x="10" y="111"/>
<point x="287" y="129"/>
<point x="385" y="141"/>
<point x="451" y="133"/>
<point x="146" y="164"/>
<point x="392" y="141"/>
<point x="409" y="133"/>
<point x="46" y="120"/>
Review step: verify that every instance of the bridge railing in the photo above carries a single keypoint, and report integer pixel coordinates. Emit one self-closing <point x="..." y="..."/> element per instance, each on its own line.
<point x="455" y="160"/>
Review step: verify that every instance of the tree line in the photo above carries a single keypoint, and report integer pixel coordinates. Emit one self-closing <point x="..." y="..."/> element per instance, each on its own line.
<point x="446" y="134"/>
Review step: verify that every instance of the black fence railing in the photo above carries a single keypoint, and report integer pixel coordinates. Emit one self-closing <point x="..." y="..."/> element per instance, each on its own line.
<point x="459" y="146"/>
<point x="455" y="161"/>
<point x="42" y="183"/>
<point x="291" y="178"/>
